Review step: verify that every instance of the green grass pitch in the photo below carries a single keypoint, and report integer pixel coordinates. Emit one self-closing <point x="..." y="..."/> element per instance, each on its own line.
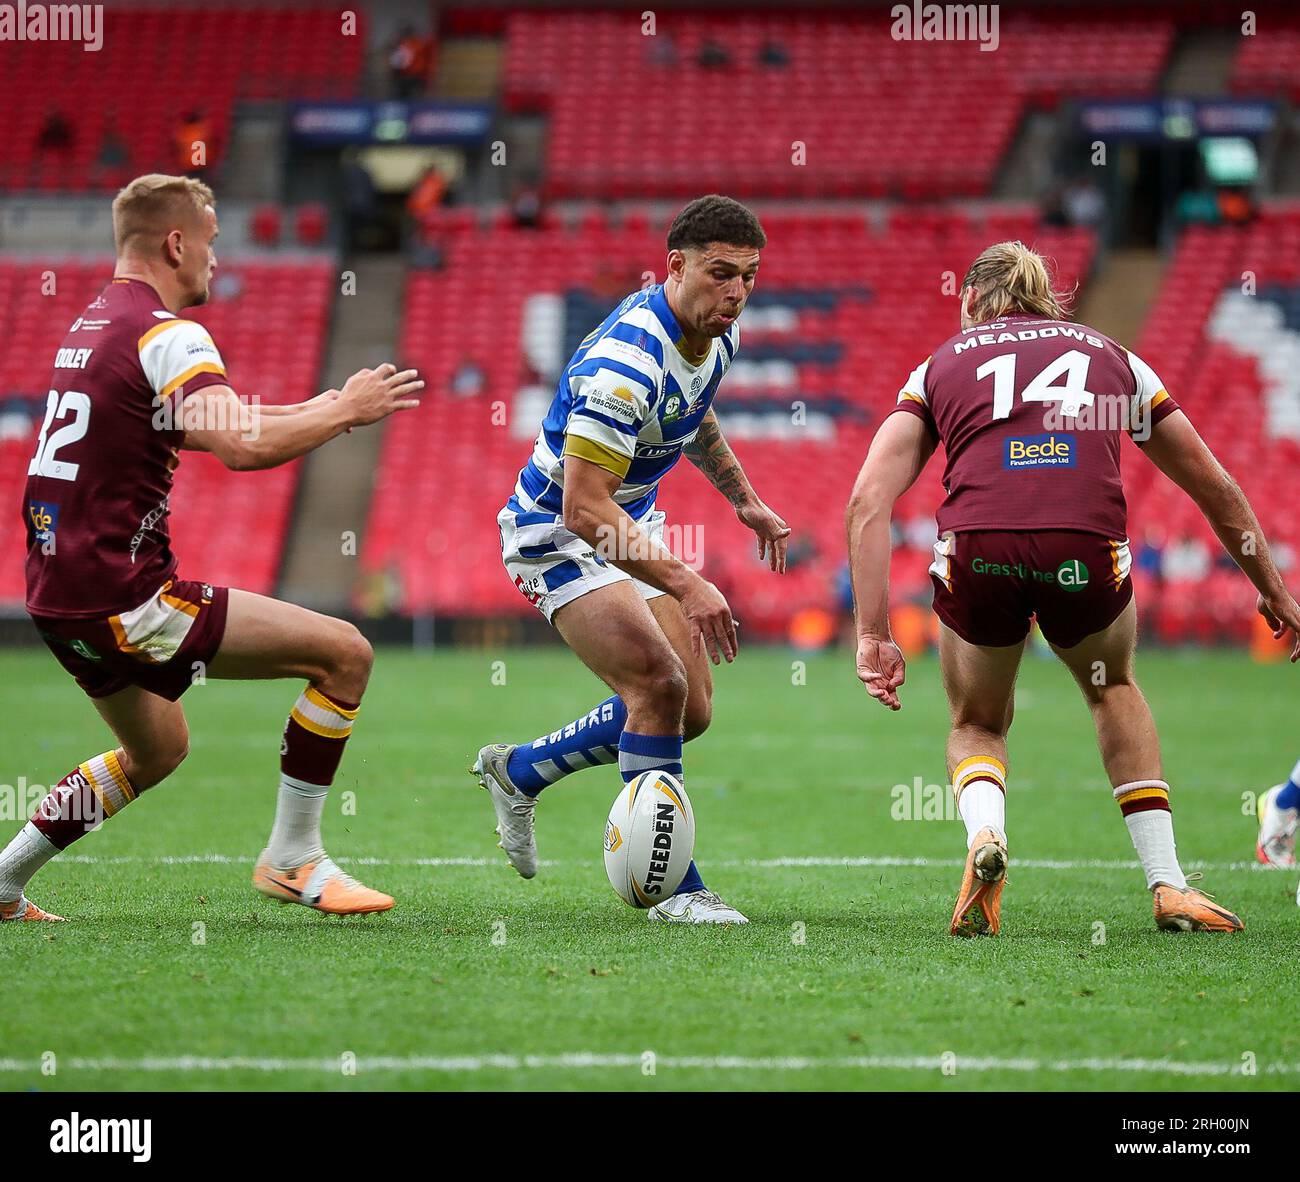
<point x="845" y="978"/>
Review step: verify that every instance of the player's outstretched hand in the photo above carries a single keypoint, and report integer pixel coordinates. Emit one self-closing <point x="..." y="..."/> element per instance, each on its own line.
<point x="772" y="532"/>
<point x="1282" y="614"/>
<point x="881" y="669"/>
<point x="712" y="626"/>
<point x="374" y="394"/>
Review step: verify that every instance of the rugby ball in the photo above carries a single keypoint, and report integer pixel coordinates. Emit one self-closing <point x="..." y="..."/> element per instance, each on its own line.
<point x="649" y="839"/>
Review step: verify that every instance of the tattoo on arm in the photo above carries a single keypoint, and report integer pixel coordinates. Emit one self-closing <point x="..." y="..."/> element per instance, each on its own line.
<point x="712" y="455"/>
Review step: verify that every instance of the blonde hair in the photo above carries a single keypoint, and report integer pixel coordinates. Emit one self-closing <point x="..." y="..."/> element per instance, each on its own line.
<point x="154" y="205"/>
<point x="1009" y="277"/>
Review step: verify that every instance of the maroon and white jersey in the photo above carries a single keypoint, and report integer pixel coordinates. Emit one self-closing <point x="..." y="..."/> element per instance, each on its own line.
<point x="95" y="502"/>
<point x="1030" y="413"/>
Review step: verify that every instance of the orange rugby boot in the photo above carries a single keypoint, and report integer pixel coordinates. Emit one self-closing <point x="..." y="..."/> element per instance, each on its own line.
<point x="321" y="885"/>
<point x="979" y="904"/>
<point x="23" y="908"/>
<point x="1189" y="910"/>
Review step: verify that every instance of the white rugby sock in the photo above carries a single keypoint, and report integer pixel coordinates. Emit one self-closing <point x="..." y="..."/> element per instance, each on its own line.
<point x="295" y="837"/>
<point x="1145" y="805"/>
<point x="980" y="784"/>
<point x="21" y="858"/>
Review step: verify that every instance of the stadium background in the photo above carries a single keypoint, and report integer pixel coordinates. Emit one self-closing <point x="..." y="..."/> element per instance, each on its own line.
<point x="880" y="168"/>
<point x="468" y="189"/>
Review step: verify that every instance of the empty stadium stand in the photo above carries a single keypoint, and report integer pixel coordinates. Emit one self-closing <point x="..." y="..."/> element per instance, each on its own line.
<point x="155" y="66"/>
<point x="882" y="117"/>
<point x="270" y="326"/>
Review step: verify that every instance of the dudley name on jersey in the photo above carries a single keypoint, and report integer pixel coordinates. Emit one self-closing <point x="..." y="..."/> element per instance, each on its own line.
<point x="629" y="400"/>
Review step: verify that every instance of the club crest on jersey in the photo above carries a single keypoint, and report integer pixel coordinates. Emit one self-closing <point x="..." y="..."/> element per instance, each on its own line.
<point x="672" y="408"/>
<point x="1039" y="451"/>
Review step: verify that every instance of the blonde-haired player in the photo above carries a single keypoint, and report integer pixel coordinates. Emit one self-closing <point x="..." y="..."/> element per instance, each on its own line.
<point x="103" y="587"/>
<point x="1035" y="524"/>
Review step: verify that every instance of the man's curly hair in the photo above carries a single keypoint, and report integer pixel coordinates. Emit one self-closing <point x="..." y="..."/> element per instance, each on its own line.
<point x="715" y="219"/>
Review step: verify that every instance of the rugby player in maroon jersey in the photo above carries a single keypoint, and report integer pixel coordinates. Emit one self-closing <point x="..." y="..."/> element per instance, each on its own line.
<point x="1030" y="409"/>
<point x="103" y="587"/>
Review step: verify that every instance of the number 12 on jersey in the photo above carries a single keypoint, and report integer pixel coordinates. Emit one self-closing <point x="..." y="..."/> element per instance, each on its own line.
<point x="43" y="462"/>
<point x="1072" y="395"/>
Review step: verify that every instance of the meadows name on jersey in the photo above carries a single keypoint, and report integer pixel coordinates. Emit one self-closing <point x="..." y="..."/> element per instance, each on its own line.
<point x="630" y="401"/>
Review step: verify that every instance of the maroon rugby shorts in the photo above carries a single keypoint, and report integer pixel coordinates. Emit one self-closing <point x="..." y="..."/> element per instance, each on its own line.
<point x="988" y="584"/>
<point x="159" y="646"/>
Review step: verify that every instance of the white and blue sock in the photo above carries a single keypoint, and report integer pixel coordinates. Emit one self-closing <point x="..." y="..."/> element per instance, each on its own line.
<point x="656" y="753"/>
<point x="1289" y="797"/>
<point x="587" y="741"/>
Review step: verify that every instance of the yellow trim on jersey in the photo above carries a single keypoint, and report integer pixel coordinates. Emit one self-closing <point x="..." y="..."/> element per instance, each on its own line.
<point x="913" y="397"/>
<point x="193" y="372"/>
<point x="1160" y="396"/>
<point x="598" y="454"/>
<point x="692" y="359"/>
<point x="159" y="328"/>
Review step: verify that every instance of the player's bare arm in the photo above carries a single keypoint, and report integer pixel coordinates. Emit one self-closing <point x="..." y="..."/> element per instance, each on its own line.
<point x="712" y="455"/>
<point x="898" y="454"/>
<point x="244" y="440"/>
<point x="1180" y="453"/>
<point x="591" y="512"/>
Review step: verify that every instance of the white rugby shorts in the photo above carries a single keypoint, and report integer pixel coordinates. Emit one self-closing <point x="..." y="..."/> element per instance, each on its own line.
<point x="552" y="566"/>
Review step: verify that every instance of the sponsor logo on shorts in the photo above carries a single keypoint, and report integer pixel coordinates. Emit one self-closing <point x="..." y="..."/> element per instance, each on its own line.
<point x="529" y="589"/>
<point x="1039" y="451"/>
<point x="1071" y="575"/>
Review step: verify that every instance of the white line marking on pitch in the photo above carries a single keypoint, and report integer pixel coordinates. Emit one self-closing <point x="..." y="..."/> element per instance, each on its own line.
<point x="734" y="863"/>
<point x="586" y="1060"/>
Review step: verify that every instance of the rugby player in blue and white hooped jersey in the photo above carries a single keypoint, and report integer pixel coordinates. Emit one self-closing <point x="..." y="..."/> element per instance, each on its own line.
<point x="581" y="537"/>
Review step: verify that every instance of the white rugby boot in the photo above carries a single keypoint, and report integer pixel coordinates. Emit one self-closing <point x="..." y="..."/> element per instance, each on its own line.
<point x="514" y="808"/>
<point x="1276" y="844"/>
<point x="694" y="907"/>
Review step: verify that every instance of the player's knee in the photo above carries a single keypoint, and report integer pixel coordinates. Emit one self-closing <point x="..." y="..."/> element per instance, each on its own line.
<point x="994" y="723"/>
<point x="661" y="686"/>
<point x="699" y="713"/>
<point x="163" y="757"/>
<point x="353" y="657"/>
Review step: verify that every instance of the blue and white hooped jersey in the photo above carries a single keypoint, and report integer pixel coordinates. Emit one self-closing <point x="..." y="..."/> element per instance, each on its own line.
<point x="629" y="401"/>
